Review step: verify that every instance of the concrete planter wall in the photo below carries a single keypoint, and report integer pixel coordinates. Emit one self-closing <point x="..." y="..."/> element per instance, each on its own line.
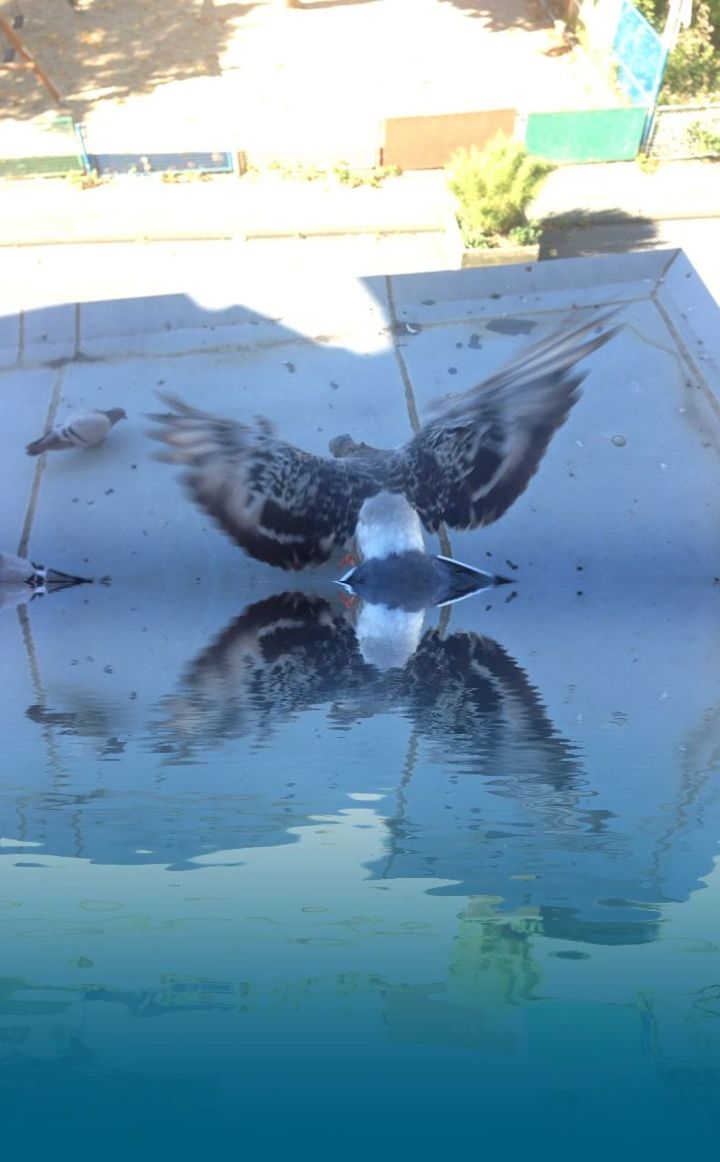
<point x="500" y="255"/>
<point x="466" y="257"/>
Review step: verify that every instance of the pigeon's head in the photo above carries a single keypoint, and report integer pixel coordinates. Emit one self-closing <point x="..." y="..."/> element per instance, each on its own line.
<point x="115" y="414"/>
<point x="341" y="447"/>
<point x="398" y="581"/>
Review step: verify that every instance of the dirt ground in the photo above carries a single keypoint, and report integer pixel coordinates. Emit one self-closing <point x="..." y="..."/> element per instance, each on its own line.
<point x="276" y="81"/>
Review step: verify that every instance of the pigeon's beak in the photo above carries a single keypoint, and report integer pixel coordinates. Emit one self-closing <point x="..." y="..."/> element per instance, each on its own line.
<point x="346" y="579"/>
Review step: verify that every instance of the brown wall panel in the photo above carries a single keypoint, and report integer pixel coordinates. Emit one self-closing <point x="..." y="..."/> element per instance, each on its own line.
<point x="428" y="142"/>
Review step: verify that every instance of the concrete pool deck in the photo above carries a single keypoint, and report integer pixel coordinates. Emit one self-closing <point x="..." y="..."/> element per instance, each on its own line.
<point x="341" y="358"/>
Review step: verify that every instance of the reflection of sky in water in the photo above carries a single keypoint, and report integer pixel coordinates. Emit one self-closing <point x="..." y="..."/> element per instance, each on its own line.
<point x="294" y="951"/>
<point x="293" y="874"/>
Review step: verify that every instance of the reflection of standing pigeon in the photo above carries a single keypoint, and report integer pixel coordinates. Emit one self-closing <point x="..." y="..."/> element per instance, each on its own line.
<point x="19" y="571"/>
<point x="465" y="467"/>
<point x="82" y="430"/>
<point x="20" y="580"/>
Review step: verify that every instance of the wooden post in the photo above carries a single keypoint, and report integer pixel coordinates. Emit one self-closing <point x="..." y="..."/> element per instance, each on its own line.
<point x="29" y="61"/>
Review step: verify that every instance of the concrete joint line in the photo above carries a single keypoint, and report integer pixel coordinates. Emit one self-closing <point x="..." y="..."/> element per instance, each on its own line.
<point x="410" y="402"/>
<point x="40" y="468"/>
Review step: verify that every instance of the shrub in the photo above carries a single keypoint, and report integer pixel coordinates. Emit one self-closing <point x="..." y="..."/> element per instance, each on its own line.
<point x="693" y="68"/>
<point x="494" y="187"/>
<point x="703" y="140"/>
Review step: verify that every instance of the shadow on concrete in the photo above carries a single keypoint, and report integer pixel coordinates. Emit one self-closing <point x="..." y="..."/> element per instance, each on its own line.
<point x="312" y="5"/>
<point x="497" y="14"/>
<point x="112" y="51"/>
<point x="583" y="232"/>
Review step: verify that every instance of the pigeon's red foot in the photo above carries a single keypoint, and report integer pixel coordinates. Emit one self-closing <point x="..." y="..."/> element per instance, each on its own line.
<point x="347" y="561"/>
<point x="347" y="599"/>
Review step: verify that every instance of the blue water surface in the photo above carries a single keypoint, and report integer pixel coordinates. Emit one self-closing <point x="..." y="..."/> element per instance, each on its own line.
<point x="299" y="906"/>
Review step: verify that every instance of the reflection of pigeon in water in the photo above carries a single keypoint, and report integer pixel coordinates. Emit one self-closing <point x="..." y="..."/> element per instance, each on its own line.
<point x="89" y="720"/>
<point x="277" y="659"/>
<point x="21" y="580"/>
<point x="293" y="652"/>
<point x="18" y="570"/>
<point x="83" y="430"/>
<point x="465" y="467"/>
<point x="388" y="532"/>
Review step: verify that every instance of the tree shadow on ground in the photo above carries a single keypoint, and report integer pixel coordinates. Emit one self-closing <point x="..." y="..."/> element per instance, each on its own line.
<point x="501" y="14"/>
<point x="312" y="5"/>
<point x="581" y="233"/>
<point x="110" y="51"/>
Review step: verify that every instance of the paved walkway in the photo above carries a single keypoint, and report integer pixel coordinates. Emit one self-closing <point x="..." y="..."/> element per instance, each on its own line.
<point x="400" y="227"/>
<point x="132" y="208"/>
<point x="676" y="189"/>
<point x="55" y="211"/>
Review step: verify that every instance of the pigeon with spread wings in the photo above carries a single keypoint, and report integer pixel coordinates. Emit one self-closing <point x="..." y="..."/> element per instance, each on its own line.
<point x="464" y="467"/>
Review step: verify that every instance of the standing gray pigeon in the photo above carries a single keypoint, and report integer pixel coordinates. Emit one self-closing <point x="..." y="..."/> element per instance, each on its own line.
<point x="82" y="430"/>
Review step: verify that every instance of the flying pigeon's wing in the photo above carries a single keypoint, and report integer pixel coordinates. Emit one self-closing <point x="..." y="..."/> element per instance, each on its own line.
<point x="280" y="504"/>
<point x="468" y="465"/>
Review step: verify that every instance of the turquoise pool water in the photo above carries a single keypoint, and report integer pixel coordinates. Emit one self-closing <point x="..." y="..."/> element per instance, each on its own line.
<point x="298" y="905"/>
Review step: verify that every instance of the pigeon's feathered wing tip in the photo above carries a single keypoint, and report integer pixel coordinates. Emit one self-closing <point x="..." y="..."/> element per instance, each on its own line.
<point x="470" y="463"/>
<point x="456" y="580"/>
<point x="551" y="359"/>
<point x="177" y="407"/>
<point x="47" y="443"/>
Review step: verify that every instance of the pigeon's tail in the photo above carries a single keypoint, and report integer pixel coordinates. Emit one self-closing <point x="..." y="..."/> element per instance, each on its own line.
<point x="55" y="579"/>
<point x="454" y="580"/>
<point x="50" y="442"/>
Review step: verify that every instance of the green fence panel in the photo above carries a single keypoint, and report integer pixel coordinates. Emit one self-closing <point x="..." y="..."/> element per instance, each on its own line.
<point x="42" y="149"/>
<point x="586" y="135"/>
